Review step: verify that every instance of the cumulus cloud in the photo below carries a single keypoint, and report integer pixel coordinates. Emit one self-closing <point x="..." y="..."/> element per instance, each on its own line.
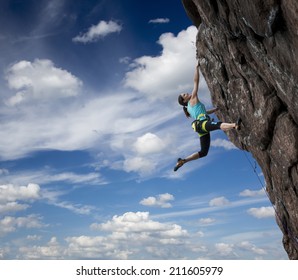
<point x="159" y="20"/>
<point x="161" y="200"/>
<point x="99" y="247"/>
<point x="219" y="201"/>
<point x="95" y="32"/>
<point x="140" y="222"/>
<point x="69" y="128"/>
<point x="252" y="193"/>
<point x="149" y="143"/>
<point x="129" y="234"/>
<point x="77" y="126"/>
<point x="134" y="235"/>
<point x="40" y="79"/>
<point x="12" y="207"/>
<point x="136" y="142"/>
<point x="10" y="224"/>
<point x="168" y="74"/>
<point x="224" y="249"/>
<point x="52" y="250"/>
<point x="262" y="212"/>
<point x="12" y="193"/>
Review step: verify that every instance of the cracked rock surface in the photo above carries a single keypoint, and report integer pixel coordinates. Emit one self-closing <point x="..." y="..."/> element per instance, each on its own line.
<point x="248" y="54"/>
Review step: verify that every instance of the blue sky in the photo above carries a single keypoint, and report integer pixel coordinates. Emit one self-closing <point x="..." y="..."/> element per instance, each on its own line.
<point x="90" y="133"/>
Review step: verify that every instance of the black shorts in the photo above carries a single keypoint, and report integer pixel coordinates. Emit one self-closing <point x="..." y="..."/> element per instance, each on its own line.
<point x="203" y="127"/>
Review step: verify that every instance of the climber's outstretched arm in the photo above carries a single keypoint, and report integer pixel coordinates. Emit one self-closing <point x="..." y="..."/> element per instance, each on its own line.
<point x="194" y="94"/>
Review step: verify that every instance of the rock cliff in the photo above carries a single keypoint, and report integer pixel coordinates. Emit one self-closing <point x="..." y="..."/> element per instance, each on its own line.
<point x="248" y="52"/>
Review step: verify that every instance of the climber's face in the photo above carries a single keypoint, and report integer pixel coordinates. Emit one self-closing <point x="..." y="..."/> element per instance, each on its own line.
<point x="186" y="97"/>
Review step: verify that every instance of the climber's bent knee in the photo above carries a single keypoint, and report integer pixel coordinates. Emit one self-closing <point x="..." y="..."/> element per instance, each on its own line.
<point x="203" y="153"/>
<point x="205" y="144"/>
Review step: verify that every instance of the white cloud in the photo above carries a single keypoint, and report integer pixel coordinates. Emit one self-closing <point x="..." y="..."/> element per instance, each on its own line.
<point x="12" y="193"/>
<point x="4" y="251"/>
<point x="99" y="247"/>
<point x="69" y="128"/>
<point x="77" y="127"/>
<point x="137" y="222"/>
<point x="215" y="205"/>
<point x="235" y="250"/>
<point x="246" y="245"/>
<point x="219" y="201"/>
<point x="149" y="143"/>
<point x="136" y="235"/>
<point x="129" y="234"/>
<point x="140" y="222"/>
<point x="262" y="212"/>
<point x="142" y="165"/>
<point x="168" y="74"/>
<point x="159" y="20"/>
<point x="206" y="221"/>
<point x="53" y="197"/>
<point x="162" y="200"/>
<point x="75" y="208"/>
<point x="41" y="80"/>
<point x="223" y="143"/>
<point x="92" y="178"/>
<point x="12" y="207"/>
<point x="252" y="193"/>
<point x="95" y="32"/>
<point x="10" y="224"/>
<point x="42" y="125"/>
<point x="224" y="249"/>
<point x="49" y="176"/>
<point x="52" y="250"/>
<point x="33" y="237"/>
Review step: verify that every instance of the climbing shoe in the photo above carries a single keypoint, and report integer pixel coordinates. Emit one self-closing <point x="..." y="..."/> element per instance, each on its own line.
<point x="179" y="163"/>
<point x="238" y="124"/>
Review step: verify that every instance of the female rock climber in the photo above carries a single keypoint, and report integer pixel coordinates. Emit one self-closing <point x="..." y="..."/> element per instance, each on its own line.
<point x="202" y="124"/>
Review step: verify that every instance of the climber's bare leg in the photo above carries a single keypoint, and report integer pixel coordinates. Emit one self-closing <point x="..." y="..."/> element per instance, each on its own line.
<point x="227" y="126"/>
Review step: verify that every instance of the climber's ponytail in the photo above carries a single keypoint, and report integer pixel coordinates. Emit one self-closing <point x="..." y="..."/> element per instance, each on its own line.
<point x="186" y="112"/>
<point x="184" y="104"/>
